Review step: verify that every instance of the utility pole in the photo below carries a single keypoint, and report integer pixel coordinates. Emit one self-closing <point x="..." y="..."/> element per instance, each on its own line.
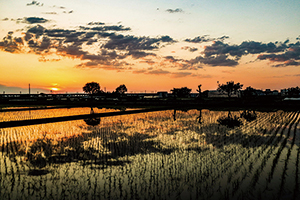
<point x="29" y="88"/>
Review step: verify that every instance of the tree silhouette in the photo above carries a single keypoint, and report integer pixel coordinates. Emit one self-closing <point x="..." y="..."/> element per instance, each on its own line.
<point x="181" y="92"/>
<point x="249" y="92"/>
<point x="92" y="88"/>
<point x="229" y="88"/>
<point x="199" y="91"/>
<point x="294" y="92"/>
<point x="121" y="89"/>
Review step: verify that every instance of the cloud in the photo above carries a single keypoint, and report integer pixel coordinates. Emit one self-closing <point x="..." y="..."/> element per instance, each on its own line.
<point x="180" y="74"/>
<point x="29" y="20"/>
<point x="191" y="49"/>
<point x="205" y="38"/>
<point x="218" y="60"/>
<point x="139" y="54"/>
<point x="158" y="72"/>
<point x="129" y="42"/>
<point x="199" y="39"/>
<point x="105" y="27"/>
<point x="141" y="71"/>
<point x="224" y="54"/>
<point x="68" y="12"/>
<point x="37" y="30"/>
<point x="171" y="59"/>
<point x="246" y="47"/>
<point x="96" y="23"/>
<point x="112" y="47"/>
<point x="11" y="44"/>
<point x="147" y="61"/>
<point x="287" y="63"/>
<point x="290" y="56"/>
<point x="34" y="3"/>
<point x="177" y="10"/>
<point x="35" y="20"/>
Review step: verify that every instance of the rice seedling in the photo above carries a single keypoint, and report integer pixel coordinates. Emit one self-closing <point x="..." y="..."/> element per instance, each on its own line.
<point x="150" y="156"/>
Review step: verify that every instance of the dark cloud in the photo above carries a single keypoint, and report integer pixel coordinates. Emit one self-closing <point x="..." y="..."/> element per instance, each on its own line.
<point x="289" y="57"/>
<point x="223" y="54"/>
<point x="182" y="64"/>
<point x="191" y="49"/>
<point x="111" y="28"/>
<point x="69" y="43"/>
<point x="11" y="44"/>
<point x="219" y="60"/>
<point x="35" y="20"/>
<point x="58" y="32"/>
<point x="34" y="3"/>
<point x="105" y="28"/>
<point x="147" y="61"/>
<point x="171" y="59"/>
<point x="205" y="38"/>
<point x="177" y="10"/>
<point x="96" y="23"/>
<point x="253" y="47"/>
<point x="37" y="30"/>
<point x="107" y="65"/>
<point x="73" y="51"/>
<point x="220" y="48"/>
<point x="29" y="20"/>
<point x="140" y="54"/>
<point x="288" y="63"/>
<point x="68" y="12"/>
<point x="111" y="47"/>
<point x="199" y="39"/>
<point x="42" y="46"/>
<point x="130" y="42"/>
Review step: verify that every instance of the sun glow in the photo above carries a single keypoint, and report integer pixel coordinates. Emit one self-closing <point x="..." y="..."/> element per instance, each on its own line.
<point x="54" y="89"/>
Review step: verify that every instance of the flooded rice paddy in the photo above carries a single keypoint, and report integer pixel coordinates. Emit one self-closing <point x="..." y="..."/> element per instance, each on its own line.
<point x="194" y="154"/>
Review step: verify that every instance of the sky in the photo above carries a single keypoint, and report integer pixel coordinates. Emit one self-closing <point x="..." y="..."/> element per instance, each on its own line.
<point x="148" y="45"/>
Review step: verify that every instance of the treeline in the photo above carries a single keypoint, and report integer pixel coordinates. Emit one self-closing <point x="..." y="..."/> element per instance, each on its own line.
<point x="229" y="88"/>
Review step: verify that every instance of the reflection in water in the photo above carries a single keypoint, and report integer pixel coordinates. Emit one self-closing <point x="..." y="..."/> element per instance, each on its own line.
<point x="39" y="152"/>
<point x="230" y="121"/>
<point x="199" y="118"/>
<point x="248" y="115"/>
<point x="174" y="115"/>
<point x="93" y="121"/>
<point x="152" y="156"/>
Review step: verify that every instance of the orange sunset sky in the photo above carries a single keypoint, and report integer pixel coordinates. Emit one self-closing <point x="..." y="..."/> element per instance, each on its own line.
<point x="148" y="45"/>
